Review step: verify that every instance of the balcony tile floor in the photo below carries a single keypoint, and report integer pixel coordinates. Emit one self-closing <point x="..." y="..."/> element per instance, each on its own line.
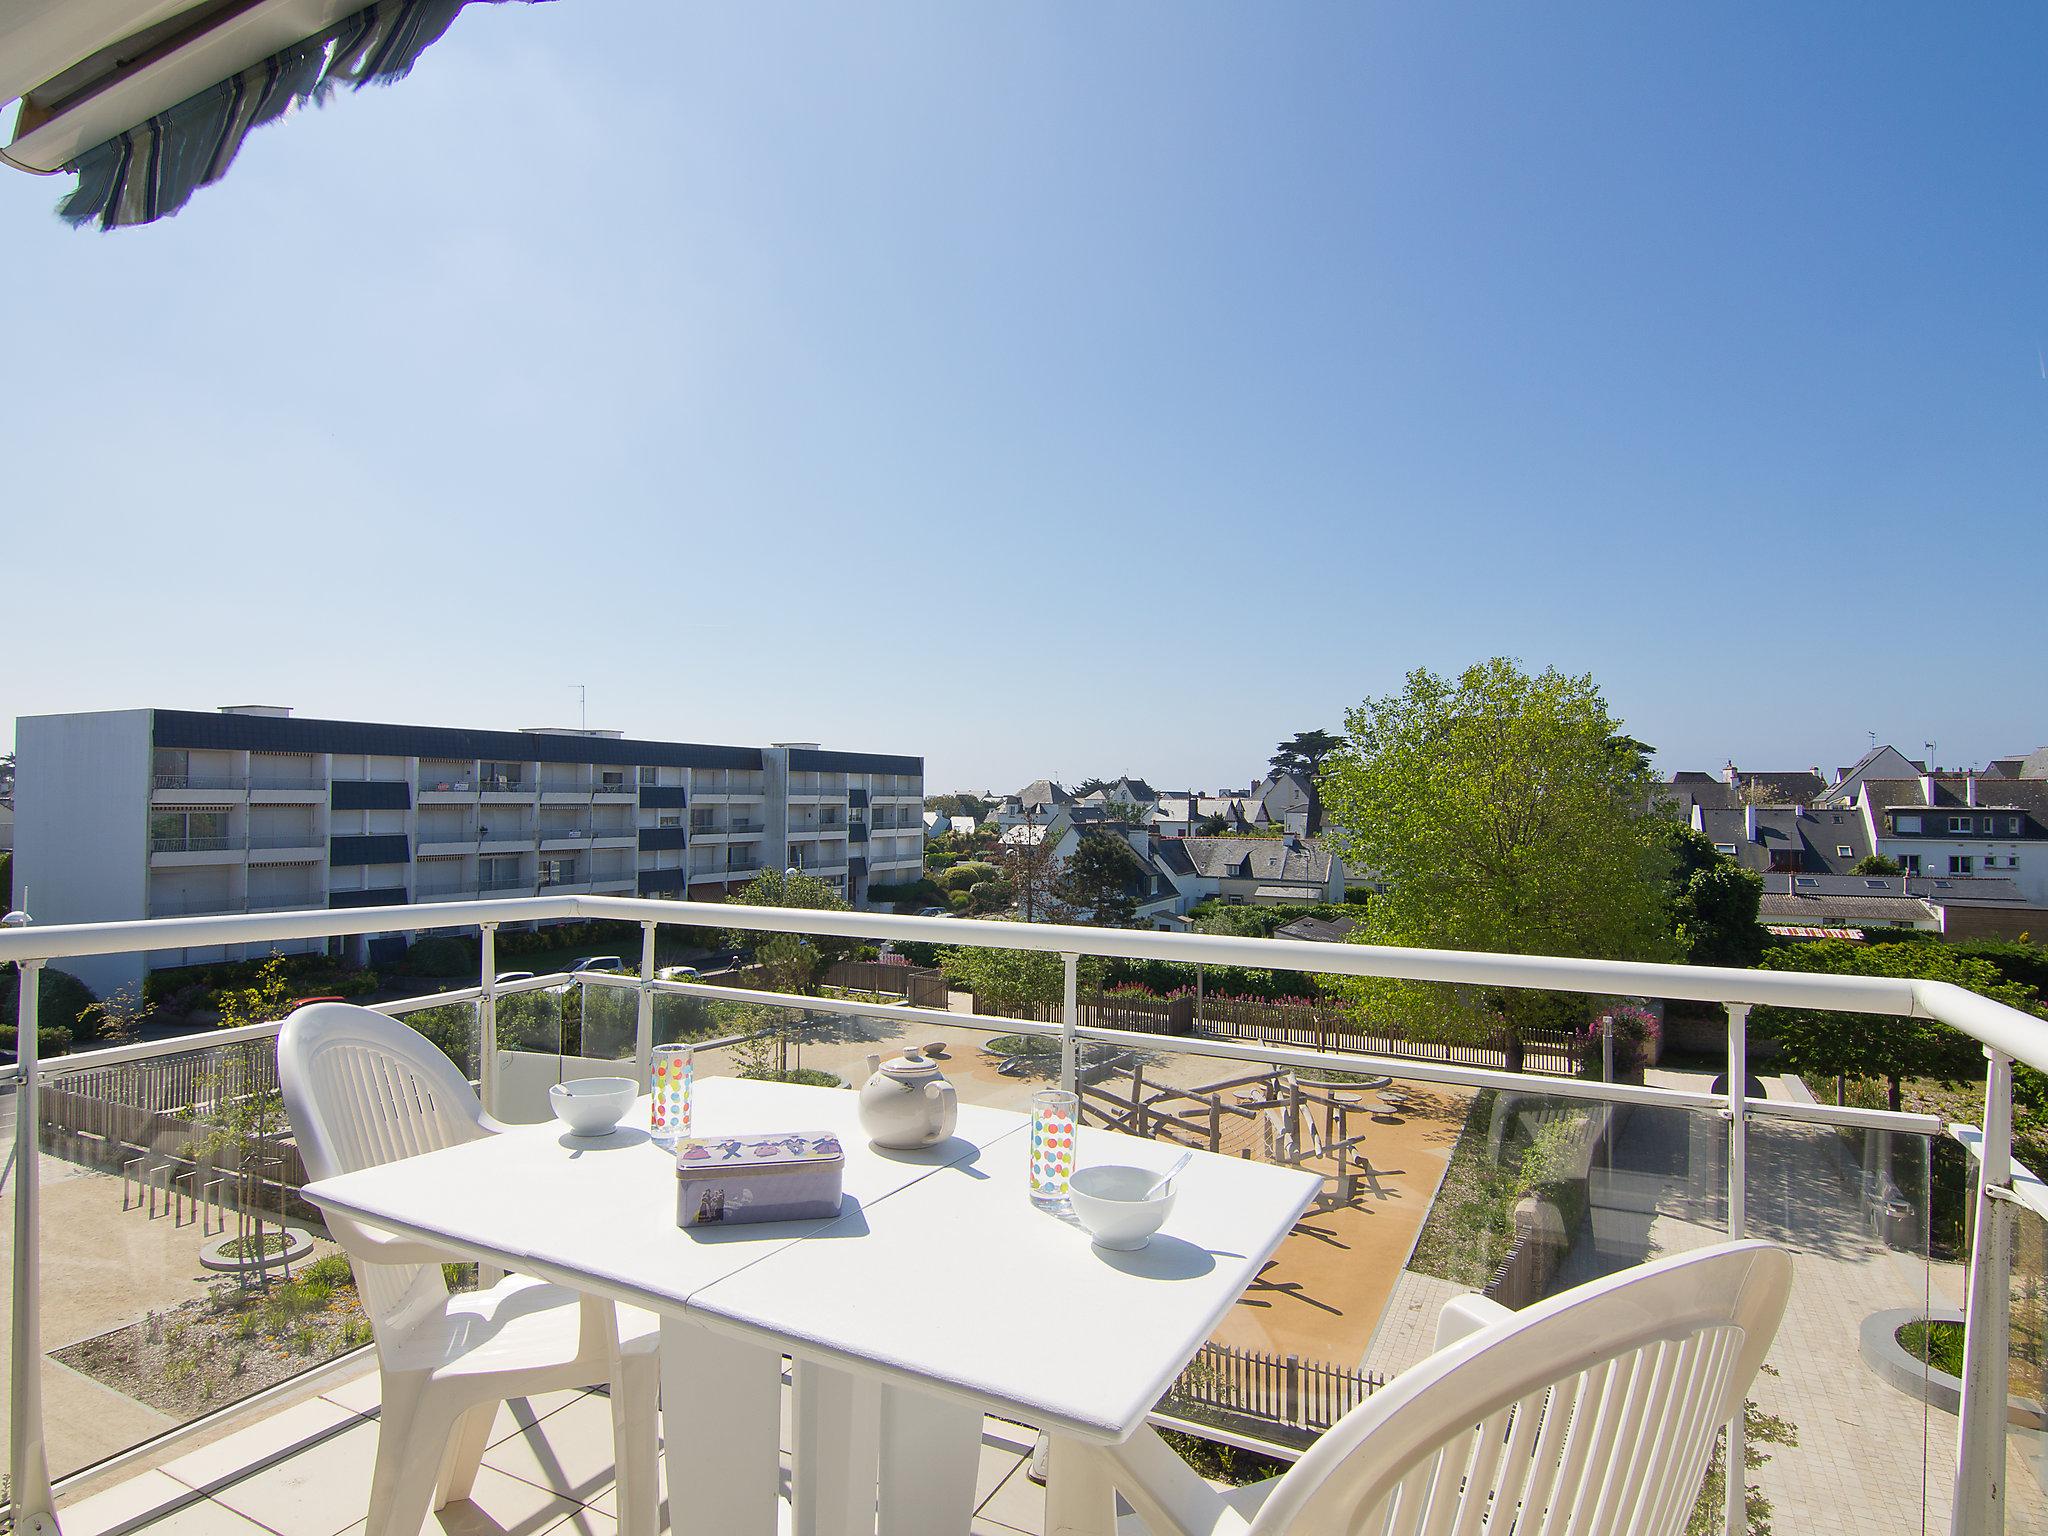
<point x="305" y="1471"/>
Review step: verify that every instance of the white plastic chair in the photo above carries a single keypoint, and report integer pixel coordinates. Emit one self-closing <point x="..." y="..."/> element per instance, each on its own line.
<point x="362" y="1089"/>
<point x="1589" y="1413"/>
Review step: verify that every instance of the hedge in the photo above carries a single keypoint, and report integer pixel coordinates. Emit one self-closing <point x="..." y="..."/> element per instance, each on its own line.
<point x="61" y="1002"/>
<point x="49" y="1042"/>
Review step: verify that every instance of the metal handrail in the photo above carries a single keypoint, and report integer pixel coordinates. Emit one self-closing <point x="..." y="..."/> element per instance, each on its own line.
<point x="2007" y="1033"/>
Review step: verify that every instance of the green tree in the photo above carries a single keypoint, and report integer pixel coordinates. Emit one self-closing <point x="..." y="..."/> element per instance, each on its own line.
<point x="1011" y="981"/>
<point x="1876" y="864"/>
<point x="1304" y="753"/>
<point x="1713" y="902"/>
<point x="1106" y="878"/>
<point x="1819" y="1044"/>
<point x="1212" y="826"/>
<point x="795" y="962"/>
<point x="1498" y="813"/>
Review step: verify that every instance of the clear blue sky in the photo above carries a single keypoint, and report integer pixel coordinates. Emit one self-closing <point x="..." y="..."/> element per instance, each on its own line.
<point x="1071" y="388"/>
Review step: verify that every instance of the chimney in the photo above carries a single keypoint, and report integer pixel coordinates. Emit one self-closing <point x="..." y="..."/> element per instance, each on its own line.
<point x="1749" y="822"/>
<point x="1969" y="789"/>
<point x="1728" y="772"/>
<point x="1927" y="788"/>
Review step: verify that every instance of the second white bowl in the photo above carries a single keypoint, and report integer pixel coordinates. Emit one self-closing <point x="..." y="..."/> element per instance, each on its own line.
<point x="591" y="1106"/>
<point x="1108" y="1201"/>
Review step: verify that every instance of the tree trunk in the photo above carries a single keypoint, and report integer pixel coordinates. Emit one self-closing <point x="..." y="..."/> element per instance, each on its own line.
<point x="1512" y="1049"/>
<point x="1894" y="1093"/>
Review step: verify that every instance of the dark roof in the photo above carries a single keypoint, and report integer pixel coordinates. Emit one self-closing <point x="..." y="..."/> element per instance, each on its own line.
<point x="275" y="733"/>
<point x="1951" y="793"/>
<point x="1814" y="835"/>
<point x="1258" y="858"/>
<point x="1042" y="792"/>
<point x="1941" y="890"/>
<point x="1317" y="930"/>
<point x="1796" y="787"/>
<point x="1171" y="854"/>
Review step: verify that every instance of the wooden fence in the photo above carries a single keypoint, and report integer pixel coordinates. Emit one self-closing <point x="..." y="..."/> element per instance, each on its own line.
<point x="1317" y="1028"/>
<point x="918" y="985"/>
<point x="1277" y="1391"/>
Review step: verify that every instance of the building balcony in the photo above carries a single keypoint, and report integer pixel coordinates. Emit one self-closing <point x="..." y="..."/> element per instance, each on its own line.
<point x="446" y="841"/>
<point x="565" y="837"/>
<point x="170" y="852"/>
<point x="179" y="789"/>
<point x="495" y="787"/>
<point x="275" y="790"/>
<point x="615" y="837"/>
<point x="613" y="794"/>
<point x="286" y="847"/>
<point x="506" y="839"/>
<point x="1409" y="1150"/>
<point x="565" y="794"/>
<point x="438" y="790"/>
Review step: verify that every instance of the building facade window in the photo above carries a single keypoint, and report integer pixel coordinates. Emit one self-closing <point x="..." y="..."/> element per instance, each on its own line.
<point x="1959" y="823"/>
<point x="1910" y="863"/>
<point x="1960" y="863"/>
<point x="557" y="871"/>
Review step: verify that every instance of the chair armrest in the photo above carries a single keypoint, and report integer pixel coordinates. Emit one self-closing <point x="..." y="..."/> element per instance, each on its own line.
<point x="367" y="1246"/>
<point x="1165" y="1491"/>
<point x="1463" y="1316"/>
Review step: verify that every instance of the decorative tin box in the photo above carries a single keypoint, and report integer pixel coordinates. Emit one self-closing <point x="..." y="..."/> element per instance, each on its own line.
<point x="791" y="1176"/>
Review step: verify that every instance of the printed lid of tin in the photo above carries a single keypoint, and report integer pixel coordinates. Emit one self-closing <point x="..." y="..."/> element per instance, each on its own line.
<point x="757" y="1149"/>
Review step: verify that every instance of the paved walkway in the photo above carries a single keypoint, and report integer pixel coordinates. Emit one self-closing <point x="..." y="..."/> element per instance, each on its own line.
<point x="1871" y="1461"/>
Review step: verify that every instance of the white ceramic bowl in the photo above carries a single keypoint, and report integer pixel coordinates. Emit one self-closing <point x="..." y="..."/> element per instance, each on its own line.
<point x="1108" y="1202"/>
<point x="591" y="1106"/>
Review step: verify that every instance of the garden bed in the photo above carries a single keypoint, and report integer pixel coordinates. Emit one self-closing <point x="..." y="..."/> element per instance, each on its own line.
<point x="229" y="1344"/>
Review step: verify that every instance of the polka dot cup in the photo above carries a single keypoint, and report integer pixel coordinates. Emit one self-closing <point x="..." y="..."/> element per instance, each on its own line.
<point x="674" y="1070"/>
<point x="1054" y="1117"/>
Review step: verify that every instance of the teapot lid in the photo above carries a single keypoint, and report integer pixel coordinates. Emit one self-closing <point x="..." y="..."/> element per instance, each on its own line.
<point x="910" y="1065"/>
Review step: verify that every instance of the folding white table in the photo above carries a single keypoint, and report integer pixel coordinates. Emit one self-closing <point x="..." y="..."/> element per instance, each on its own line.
<point x="938" y="1294"/>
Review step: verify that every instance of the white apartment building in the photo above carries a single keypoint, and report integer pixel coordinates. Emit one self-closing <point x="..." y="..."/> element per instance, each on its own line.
<point x="168" y="813"/>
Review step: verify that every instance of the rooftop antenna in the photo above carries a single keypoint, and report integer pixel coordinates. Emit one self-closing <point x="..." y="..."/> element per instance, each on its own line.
<point x="582" y="706"/>
<point x="1933" y="764"/>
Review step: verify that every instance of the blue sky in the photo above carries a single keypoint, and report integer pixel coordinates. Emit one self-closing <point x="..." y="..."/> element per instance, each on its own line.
<point x="1069" y="389"/>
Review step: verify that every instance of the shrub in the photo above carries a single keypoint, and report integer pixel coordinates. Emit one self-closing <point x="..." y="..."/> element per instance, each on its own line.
<point x="907" y="893"/>
<point x="49" y="1042"/>
<point x="966" y="874"/>
<point x="62" y="1004"/>
<point x="440" y="955"/>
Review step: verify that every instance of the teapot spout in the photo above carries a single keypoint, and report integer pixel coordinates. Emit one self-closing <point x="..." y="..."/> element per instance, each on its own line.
<point x="874" y="1063"/>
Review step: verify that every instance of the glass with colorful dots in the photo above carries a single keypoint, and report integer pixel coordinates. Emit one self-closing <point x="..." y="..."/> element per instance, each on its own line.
<point x="674" y="1072"/>
<point x="1054" y="1114"/>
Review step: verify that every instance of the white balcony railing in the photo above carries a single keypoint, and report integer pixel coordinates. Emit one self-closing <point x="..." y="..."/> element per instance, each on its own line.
<point x="2007" y="1035"/>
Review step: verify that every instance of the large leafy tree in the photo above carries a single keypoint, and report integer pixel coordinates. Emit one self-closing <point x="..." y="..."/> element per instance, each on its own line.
<point x="1104" y="876"/>
<point x="1304" y="754"/>
<point x="1713" y="902"/>
<point x="1879" y="1045"/>
<point x="1499" y="811"/>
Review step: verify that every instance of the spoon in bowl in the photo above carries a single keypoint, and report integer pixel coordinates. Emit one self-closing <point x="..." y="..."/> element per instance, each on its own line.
<point x="1167" y="1177"/>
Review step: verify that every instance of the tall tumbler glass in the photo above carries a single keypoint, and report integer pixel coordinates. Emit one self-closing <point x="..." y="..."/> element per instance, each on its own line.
<point x="1054" y="1118"/>
<point x="674" y="1072"/>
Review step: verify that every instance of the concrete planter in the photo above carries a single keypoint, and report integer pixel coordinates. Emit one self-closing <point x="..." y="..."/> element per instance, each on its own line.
<point x="1915" y="1378"/>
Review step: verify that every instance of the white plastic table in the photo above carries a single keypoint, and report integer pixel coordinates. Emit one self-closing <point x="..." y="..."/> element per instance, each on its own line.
<point x="938" y="1294"/>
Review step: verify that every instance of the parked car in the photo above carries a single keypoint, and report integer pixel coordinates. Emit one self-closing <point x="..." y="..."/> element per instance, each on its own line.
<point x="676" y="973"/>
<point x="934" y="912"/>
<point x="598" y="963"/>
<point x="505" y="976"/>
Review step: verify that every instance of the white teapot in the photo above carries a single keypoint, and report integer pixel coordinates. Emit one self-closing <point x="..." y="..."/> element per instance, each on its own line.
<point x="907" y="1102"/>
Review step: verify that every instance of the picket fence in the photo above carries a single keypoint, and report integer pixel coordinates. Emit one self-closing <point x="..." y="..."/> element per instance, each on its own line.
<point x="1280" y="1391"/>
